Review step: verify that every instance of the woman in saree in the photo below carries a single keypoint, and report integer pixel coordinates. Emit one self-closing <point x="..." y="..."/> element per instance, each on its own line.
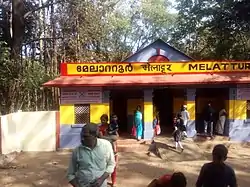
<point x="138" y="122"/>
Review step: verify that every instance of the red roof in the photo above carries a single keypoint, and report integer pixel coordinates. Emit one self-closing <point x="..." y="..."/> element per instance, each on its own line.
<point x="177" y="79"/>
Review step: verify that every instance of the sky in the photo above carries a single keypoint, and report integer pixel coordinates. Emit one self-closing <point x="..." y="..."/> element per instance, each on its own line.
<point x="125" y="4"/>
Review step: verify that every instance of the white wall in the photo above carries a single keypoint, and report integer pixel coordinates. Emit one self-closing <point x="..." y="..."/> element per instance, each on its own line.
<point x="29" y="131"/>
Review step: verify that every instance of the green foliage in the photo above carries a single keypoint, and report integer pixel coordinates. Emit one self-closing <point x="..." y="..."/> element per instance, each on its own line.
<point x="110" y="30"/>
<point x="217" y="30"/>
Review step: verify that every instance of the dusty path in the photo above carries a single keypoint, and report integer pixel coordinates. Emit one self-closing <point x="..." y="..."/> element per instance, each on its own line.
<point x="135" y="169"/>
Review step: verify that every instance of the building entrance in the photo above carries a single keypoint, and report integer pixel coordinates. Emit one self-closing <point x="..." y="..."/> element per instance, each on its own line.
<point x="218" y="97"/>
<point x="123" y="103"/>
<point x="167" y="103"/>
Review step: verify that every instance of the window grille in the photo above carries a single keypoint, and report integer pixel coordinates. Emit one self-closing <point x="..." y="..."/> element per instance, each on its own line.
<point x="82" y="114"/>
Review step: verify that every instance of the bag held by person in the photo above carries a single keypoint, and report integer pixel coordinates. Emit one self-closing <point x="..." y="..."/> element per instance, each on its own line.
<point x="158" y="129"/>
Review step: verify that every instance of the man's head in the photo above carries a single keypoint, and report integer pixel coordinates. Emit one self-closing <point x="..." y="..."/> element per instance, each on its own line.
<point x="104" y="119"/>
<point x="114" y="117"/>
<point x="184" y="107"/>
<point x="178" y="179"/>
<point x="220" y="153"/>
<point x="89" y="134"/>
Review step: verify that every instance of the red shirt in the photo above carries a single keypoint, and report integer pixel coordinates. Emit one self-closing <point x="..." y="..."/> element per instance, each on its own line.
<point x="103" y="128"/>
<point x="165" y="179"/>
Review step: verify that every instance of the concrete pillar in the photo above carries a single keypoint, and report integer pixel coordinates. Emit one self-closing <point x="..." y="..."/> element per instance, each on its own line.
<point x="239" y="128"/>
<point x="148" y="114"/>
<point x="190" y="100"/>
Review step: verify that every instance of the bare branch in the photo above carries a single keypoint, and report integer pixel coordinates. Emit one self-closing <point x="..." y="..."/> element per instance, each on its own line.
<point x="41" y="7"/>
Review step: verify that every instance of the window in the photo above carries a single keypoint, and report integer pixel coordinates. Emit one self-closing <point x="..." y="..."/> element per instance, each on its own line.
<point x="82" y="113"/>
<point x="248" y="109"/>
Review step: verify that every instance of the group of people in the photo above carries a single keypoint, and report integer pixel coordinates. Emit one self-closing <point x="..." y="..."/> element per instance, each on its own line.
<point x="210" y="118"/>
<point x="213" y="174"/>
<point x="93" y="161"/>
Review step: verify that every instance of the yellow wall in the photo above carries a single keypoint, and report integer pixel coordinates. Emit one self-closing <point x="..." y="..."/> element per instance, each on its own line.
<point x="191" y="109"/>
<point x="237" y="109"/>
<point x="97" y="110"/>
<point x="148" y="112"/>
<point x="67" y="114"/>
<point x="178" y="102"/>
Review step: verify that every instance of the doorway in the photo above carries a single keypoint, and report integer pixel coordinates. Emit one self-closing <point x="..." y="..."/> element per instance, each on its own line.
<point x="218" y="97"/>
<point x="124" y="103"/>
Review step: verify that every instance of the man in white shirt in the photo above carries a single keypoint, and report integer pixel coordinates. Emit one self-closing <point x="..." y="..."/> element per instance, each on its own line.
<point x="185" y="117"/>
<point x="93" y="161"/>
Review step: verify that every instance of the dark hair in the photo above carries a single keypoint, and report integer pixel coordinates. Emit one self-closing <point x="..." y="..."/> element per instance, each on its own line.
<point x="220" y="152"/>
<point x="91" y="129"/>
<point x="138" y="107"/>
<point x="114" y="116"/>
<point x="105" y="116"/>
<point x="178" y="179"/>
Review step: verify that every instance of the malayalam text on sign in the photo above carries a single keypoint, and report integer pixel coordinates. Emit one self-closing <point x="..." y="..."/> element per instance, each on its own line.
<point x="157" y="68"/>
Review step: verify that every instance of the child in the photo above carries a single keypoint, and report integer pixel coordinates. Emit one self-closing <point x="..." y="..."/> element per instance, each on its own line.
<point x="156" y="126"/>
<point x="112" y="131"/>
<point x="177" y="134"/>
<point x="157" y="131"/>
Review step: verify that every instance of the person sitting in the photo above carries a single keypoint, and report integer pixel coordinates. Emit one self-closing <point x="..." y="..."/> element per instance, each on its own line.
<point x="177" y="179"/>
<point x="104" y="124"/>
<point x="217" y="173"/>
<point x="112" y="131"/>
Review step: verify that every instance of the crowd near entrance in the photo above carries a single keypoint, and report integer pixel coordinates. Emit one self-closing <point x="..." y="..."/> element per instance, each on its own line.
<point x="167" y="102"/>
<point x="218" y="98"/>
<point x="123" y="104"/>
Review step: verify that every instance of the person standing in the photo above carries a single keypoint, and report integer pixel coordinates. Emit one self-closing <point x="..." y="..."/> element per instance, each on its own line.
<point x="217" y="173"/>
<point x="208" y="119"/>
<point x="112" y="131"/>
<point x="91" y="162"/>
<point x="138" y="122"/>
<point x="185" y="116"/>
<point x="220" y="125"/>
<point x="177" y="134"/>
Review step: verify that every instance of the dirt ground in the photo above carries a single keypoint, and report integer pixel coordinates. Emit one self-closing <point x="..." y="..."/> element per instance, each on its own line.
<point x="47" y="169"/>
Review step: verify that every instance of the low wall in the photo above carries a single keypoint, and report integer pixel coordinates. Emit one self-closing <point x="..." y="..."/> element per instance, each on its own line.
<point x="29" y="131"/>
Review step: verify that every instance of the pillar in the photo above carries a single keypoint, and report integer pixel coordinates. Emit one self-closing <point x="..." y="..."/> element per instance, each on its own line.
<point x="190" y="100"/>
<point x="148" y="114"/>
<point x="98" y="109"/>
<point x="237" y="115"/>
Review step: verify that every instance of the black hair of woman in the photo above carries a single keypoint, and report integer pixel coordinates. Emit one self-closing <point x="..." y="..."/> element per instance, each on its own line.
<point x="178" y="179"/>
<point x="138" y="107"/>
<point x="105" y="116"/>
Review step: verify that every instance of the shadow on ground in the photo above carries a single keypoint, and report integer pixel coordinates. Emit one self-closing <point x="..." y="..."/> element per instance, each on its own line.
<point x="48" y="169"/>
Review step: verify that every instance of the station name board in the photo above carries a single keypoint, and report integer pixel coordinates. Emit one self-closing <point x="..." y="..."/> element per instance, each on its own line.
<point x="154" y="68"/>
